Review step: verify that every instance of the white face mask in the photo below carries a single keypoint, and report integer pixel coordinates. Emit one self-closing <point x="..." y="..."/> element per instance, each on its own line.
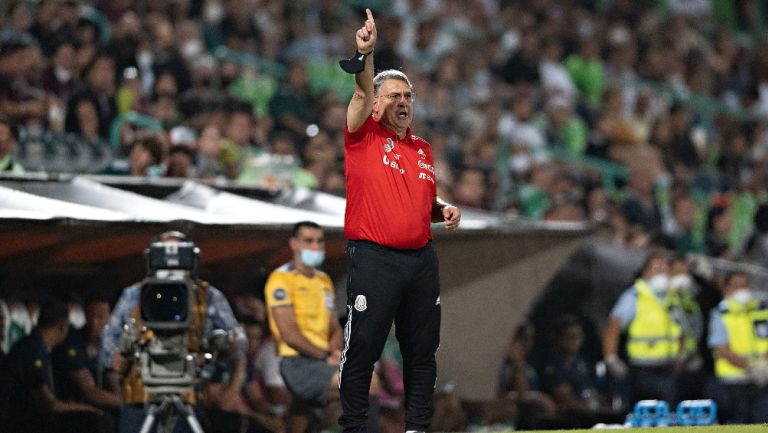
<point x="742" y="296"/>
<point x="520" y="163"/>
<point x="63" y="75"/>
<point x="213" y="13"/>
<point x="76" y="316"/>
<point x="144" y="59"/>
<point x="659" y="283"/>
<point x="312" y="258"/>
<point x="191" y="49"/>
<point x="681" y="282"/>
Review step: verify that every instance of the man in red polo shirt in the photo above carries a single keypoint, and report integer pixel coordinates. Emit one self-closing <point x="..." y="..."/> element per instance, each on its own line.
<point x="391" y="200"/>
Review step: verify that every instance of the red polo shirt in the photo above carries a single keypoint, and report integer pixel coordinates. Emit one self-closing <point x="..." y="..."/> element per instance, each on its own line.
<point x="390" y="186"/>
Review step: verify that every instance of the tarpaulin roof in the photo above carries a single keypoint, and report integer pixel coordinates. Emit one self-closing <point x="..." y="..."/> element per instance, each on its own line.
<point x="88" y="232"/>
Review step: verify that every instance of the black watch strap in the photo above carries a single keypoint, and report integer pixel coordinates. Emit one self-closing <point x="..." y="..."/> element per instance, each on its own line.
<point x="354" y="64"/>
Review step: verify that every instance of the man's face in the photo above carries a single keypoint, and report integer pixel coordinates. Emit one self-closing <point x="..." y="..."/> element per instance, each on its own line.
<point x="253" y="334"/>
<point x="62" y="329"/>
<point x="308" y="238"/>
<point x="738" y="282"/>
<point x="571" y="339"/>
<point x="656" y="266"/>
<point x="394" y="104"/>
<point x="96" y="317"/>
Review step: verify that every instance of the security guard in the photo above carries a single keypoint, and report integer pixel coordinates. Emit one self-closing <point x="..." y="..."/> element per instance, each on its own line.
<point x="28" y="389"/>
<point x="300" y="304"/>
<point x="654" y="338"/>
<point x="738" y="337"/>
<point x="211" y="312"/>
<point x="685" y="310"/>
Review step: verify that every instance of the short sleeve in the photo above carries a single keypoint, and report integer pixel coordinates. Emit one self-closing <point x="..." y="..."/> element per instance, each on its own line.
<point x="352" y="138"/>
<point x="36" y="368"/>
<point x="70" y="355"/>
<point x="625" y="308"/>
<point x="330" y="295"/>
<point x="718" y="335"/>
<point x="276" y="291"/>
<point x="268" y="364"/>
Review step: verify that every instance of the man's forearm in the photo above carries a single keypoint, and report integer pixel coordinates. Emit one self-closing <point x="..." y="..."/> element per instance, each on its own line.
<point x="438" y="205"/>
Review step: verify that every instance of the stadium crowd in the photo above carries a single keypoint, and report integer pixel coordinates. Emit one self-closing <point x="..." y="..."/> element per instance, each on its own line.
<point x="646" y="118"/>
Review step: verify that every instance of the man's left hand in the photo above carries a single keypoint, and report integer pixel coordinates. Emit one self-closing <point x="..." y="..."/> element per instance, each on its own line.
<point x="451" y="216"/>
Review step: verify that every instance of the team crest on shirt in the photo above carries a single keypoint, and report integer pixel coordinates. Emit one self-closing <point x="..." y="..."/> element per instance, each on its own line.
<point x="389" y="145"/>
<point x="361" y="304"/>
<point x="422" y="153"/>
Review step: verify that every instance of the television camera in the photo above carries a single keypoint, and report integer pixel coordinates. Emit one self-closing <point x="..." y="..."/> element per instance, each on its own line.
<point x="159" y="342"/>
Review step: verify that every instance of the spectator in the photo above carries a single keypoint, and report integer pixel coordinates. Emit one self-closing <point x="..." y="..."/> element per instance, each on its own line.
<point x="519" y="381"/>
<point x="291" y="106"/>
<point x="21" y="99"/>
<point x="75" y="361"/>
<point x="99" y="90"/>
<point x="60" y="77"/>
<point x="265" y="390"/>
<point x="569" y="378"/>
<point x="145" y="156"/>
<point x="719" y="223"/>
<point x="181" y="162"/>
<point x="684" y="235"/>
<point x="756" y="244"/>
<point x="229" y="398"/>
<point x="29" y="398"/>
<point x="640" y="208"/>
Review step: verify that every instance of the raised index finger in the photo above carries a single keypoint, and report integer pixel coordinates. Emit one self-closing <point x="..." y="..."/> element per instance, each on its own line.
<point x="370" y="15"/>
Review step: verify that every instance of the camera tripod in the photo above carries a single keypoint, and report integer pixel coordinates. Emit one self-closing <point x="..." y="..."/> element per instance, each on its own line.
<point x="165" y="409"/>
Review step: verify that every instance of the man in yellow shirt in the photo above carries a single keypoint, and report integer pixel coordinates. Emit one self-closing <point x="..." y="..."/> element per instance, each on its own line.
<point x="308" y="337"/>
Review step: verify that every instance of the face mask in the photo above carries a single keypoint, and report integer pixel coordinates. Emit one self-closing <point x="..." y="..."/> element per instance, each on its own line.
<point x="214" y="12"/>
<point x="681" y="282"/>
<point x="742" y="296"/>
<point x="76" y="316"/>
<point x="144" y="59"/>
<point x="659" y="283"/>
<point x="312" y="258"/>
<point x="62" y="74"/>
<point x="520" y="163"/>
<point x="191" y="49"/>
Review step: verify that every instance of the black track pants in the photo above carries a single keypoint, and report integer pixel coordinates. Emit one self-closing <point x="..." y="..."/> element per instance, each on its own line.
<point x="383" y="285"/>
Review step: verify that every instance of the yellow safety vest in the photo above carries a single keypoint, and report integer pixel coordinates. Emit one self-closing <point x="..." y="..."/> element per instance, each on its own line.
<point x="654" y="337"/>
<point x="747" y="327"/>
<point x="685" y="304"/>
<point x="132" y="384"/>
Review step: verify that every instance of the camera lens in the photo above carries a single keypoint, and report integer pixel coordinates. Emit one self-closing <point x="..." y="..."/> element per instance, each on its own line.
<point x="164" y="302"/>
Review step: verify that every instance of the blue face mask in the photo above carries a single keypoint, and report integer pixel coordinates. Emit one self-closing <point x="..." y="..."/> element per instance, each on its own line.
<point x="312" y="258"/>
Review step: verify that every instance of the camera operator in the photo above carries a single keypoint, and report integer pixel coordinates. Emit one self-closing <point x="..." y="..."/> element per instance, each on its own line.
<point x="210" y="312"/>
